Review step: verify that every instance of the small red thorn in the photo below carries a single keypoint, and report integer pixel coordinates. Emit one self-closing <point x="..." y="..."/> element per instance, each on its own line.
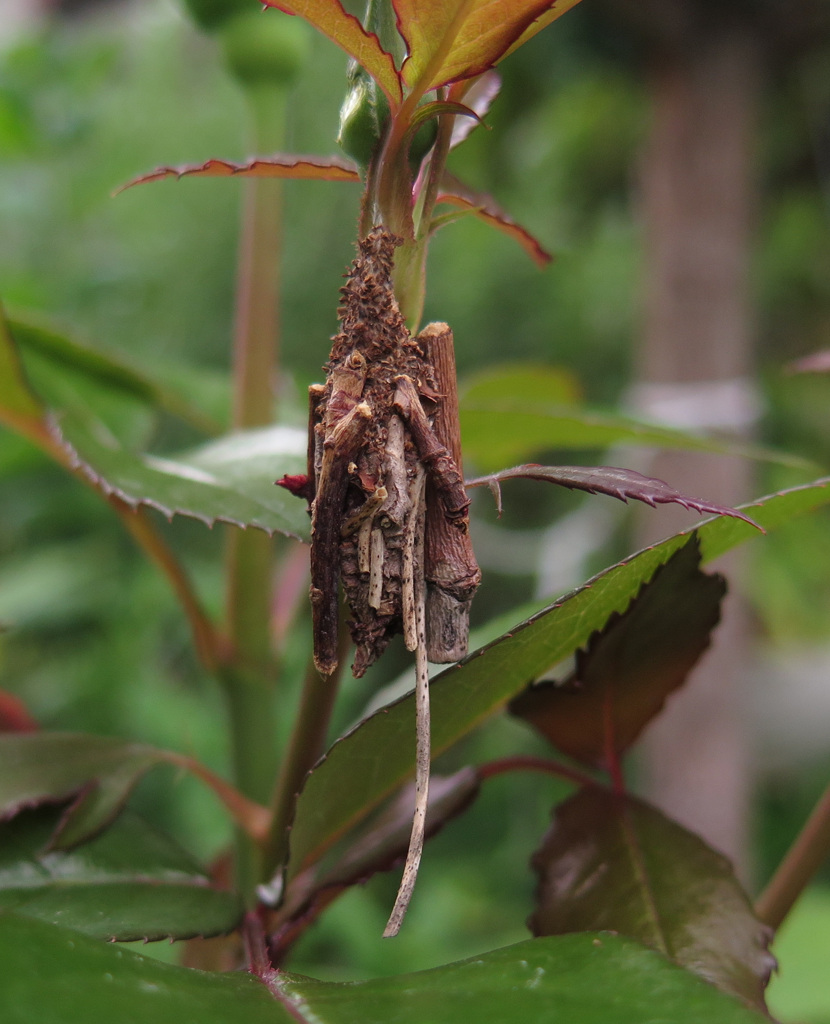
<point x="297" y="484"/>
<point x="14" y="716"/>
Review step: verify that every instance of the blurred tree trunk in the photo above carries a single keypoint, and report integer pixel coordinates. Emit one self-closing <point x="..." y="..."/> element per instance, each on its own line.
<point x="695" y="367"/>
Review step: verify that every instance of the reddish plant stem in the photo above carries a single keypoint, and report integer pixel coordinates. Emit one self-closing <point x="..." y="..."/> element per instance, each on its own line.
<point x="252" y="817"/>
<point x="206" y="639"/>
<point x="809" y="851"/>
<point x="522" y="763"/>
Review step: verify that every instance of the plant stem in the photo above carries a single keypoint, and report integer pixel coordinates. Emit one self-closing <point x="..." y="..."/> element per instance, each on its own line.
<point x="256" y="330"/>
<point x="249" y="557"/>
<point x="803" y="859"/>
<point x="409" y="274"/>
<point x="409" y="281"/>
<point x="304" y="749"/>
<point x="255" y="359"/>
<point x="205" y="636"/>
<point x="525" y="763"/>
<point x="206" y="639"/>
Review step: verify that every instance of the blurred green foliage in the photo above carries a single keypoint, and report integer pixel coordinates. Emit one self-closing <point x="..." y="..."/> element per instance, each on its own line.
<point x="800" y="992"/>
<point x="95" y="638"/>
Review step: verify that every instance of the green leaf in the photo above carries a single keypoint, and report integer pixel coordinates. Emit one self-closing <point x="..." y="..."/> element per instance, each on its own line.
<point x="368" y="763"/>
<point x="628" y="669"/>
<point x="113" y="374"/>
<point x="130" y="883"/>
<point x="613" y="862"/>
<point x="330" y="18"/>
<point x="99" y="983"/>
<point x="230" y="480"/>
<point x="500" y="428"/>
<point x="19" y="408"/>
<point x="449" y="40"/>
<point x="97" y="771"/>
<point x="589" y="979"/>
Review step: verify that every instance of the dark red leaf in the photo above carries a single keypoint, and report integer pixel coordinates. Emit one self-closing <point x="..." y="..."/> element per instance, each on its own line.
<point x="618" y="483"/>
<point x="629" y="668"/>
<point x="611" y="862"/>
<point x="319" y="168"/>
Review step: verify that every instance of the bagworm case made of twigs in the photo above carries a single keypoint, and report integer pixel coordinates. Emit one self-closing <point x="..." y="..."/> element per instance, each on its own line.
<point x="387" y="498"/>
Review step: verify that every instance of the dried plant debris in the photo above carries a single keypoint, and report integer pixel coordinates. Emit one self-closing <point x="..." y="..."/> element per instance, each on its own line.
<point x="382" y="448"/>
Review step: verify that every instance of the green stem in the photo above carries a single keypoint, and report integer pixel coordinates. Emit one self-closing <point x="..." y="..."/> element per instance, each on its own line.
<point x="409" y="275"/>
<point x="409" y="281"/>
<point x="305" y="747"/>
<point x="251" y="723"/>
<point x="256" y="330"/>
<point x="437" y="164"/>
<point x="809" y="851"/>
<point x="248" y="680"/>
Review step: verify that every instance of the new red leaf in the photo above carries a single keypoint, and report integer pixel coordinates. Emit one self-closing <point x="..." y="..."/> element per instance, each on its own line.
<point x="456" y="193"/>
<point x="314" y="168"/>
<point x="329" y="17"/>
<point x="614" y="863"/>
<point x="628" y="669"/>
<point x="449" y="40"/>
<point x="617" y="483"/>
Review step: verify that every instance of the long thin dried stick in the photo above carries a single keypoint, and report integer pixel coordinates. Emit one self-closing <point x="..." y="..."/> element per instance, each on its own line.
<point x="422" y="725"/>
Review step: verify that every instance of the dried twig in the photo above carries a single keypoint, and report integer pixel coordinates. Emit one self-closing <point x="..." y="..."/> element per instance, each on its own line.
<point x="422" y="746"/>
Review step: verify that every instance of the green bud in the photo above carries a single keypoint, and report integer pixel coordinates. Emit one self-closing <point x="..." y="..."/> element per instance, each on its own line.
<point x="363" y="120"/>
<point x="265" y="47"/>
